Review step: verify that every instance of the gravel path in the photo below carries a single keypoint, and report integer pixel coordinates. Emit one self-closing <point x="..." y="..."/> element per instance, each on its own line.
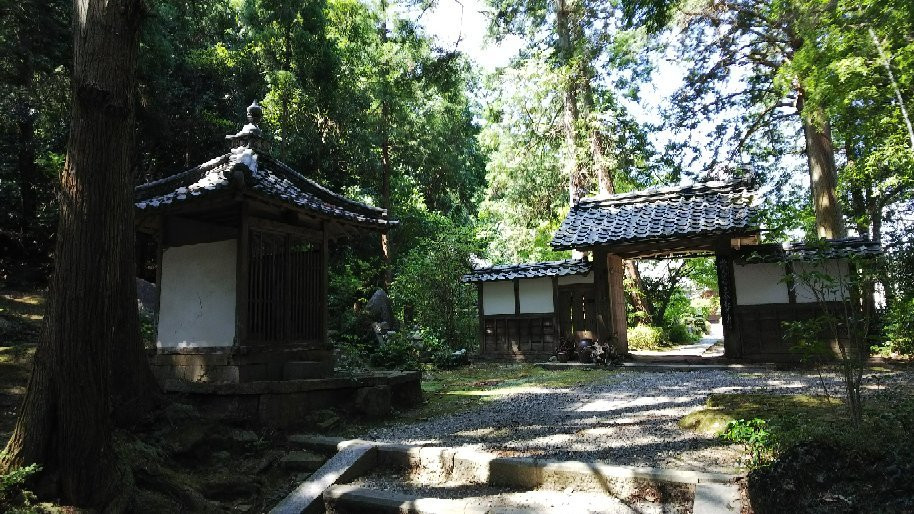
<point x="629" y="418"/>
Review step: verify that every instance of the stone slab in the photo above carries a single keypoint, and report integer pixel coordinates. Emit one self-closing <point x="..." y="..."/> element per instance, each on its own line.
<point x="348" y="498"/>
<point x="717" y="499"/>
<point x="302" y="461"/>
<point x="351" y="462"/>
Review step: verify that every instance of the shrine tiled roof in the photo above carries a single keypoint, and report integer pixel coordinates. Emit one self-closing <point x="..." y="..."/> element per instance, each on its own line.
<point x="248" y="168"/>
<point x="658" y="214"/>
<point x="529" y="270"/>
<point x="851" y="247"/>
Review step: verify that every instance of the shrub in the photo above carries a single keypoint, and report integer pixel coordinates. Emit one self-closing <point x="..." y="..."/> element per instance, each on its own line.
<point x="677" y="333"/>
<point x="428" y="281"/>
<point x="14" y="497"/>
<point x="755" y="436"/>
<point x="397" y="353"/>
<point x="645" y="337"/>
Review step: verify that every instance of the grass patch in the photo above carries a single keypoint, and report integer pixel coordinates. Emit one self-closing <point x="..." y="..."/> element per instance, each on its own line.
<point x="468" y="387"/>
<point x="723" y="408"/>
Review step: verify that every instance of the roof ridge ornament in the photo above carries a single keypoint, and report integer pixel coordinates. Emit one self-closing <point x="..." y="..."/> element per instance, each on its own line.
<point x="250" y="135"/>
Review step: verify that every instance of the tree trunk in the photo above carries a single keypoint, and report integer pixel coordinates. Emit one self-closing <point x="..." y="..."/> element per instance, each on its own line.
<point x="65" y="421"/>
<point x="28" y="170"/>
<point x="386" y="248"/>
<point x="570" y="117"/>
<point x="636" y="296"/>
<point x="602" y="167"/>
<point x="823" y="175"/>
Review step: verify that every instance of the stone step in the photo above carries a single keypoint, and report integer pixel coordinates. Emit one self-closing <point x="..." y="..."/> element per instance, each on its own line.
<point x="345" y="499"/>
<point x="299" y="370"/>
<point x="301" y="461"/>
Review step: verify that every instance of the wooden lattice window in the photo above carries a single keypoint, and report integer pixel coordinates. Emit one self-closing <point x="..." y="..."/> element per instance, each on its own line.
<point x="284" y="288"/>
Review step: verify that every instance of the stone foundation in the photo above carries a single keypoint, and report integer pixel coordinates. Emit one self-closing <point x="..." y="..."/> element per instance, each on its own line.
<point x="288" y="403"/>
<point x="242" y="364"/>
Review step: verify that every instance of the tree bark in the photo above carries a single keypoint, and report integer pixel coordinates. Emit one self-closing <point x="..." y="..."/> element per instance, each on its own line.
<point x="386" y="247"/>
<point x="637" y="297"/>
<point x="603" y="168"/>
<point x="823" y="174"/>
<point x="26" y="166"/>
<point x="65" y="421"/>
<point x="570" y="114"/>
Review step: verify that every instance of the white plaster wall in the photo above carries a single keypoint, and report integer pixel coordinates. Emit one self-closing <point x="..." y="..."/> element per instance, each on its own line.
<point x="760" y="283"/>
<point x="576" y="279"/>
<point x="535" y="295"/>
<point x="807" y="280"/>
<point x="198" y="295"/>
<point x="498" y="297"/>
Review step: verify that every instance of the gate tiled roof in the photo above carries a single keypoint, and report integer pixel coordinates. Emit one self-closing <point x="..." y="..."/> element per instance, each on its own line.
<point x="529" y="270"/>
<point x="659" y="214"/>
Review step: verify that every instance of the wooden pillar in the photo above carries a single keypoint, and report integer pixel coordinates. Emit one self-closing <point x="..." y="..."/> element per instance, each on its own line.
<point x="618" y="321"/>
<point x="602" y="325"/>
<point x="242" y="276"/>
<point x="517" y="297"/>
<point x="325" y="263"/>
<point x="556" y="319"/>
<point x="726" y="287"/>
<point x="482" y="319"/>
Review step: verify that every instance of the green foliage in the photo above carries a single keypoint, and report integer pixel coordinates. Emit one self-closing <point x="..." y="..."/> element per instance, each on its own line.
<point x="806" y="338"/>
<point x="678" y="333"/>
<point x="14" y="497"/>
<point x="645" y="337"/>
<point x="147" y="332"/>
<point x="397" y="353"/>
<point x="755" y="436"/>
<point x="428" y="284"/>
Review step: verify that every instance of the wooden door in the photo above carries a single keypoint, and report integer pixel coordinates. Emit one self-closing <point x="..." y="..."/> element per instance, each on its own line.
<point x="576" y="309"/>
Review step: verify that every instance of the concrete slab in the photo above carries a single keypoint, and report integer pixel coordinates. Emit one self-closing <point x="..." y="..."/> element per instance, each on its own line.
<point x="350" y="462"/>
<point x="717" y="499"/>
<point x="302" y="461"/>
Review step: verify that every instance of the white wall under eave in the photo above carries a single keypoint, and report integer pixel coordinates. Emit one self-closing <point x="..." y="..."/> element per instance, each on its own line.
<point x="760" y="283"/>
<point x="576" y="279"/>
<point x="535" y="295"/>
<point x="498" y="297"/>
<point x="197" y="304"/>
<point x="825" y="279"/>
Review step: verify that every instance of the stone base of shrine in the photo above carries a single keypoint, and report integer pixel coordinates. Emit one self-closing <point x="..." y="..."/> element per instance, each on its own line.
<point x="243" y="364"/>
<point x="290" y="403"/>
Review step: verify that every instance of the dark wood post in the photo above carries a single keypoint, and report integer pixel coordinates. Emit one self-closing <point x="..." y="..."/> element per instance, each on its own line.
<point x="601" y="295"/>
<point x="517" y="297"/>
<point x="325" y="262"/>
<point x="482" y="319"/>
<point x="242" y="280"/>
<point x="733" y="344"/>
<point x="616" y="299"/>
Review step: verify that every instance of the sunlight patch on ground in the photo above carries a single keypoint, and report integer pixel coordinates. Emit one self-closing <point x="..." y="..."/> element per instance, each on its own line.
<point x="612" y="405"/>
<point x="507" y="391"/>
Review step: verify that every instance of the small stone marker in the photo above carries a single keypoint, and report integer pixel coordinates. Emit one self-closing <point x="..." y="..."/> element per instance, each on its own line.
<point x="349" y="462"/>
<point x="717" y="499"/>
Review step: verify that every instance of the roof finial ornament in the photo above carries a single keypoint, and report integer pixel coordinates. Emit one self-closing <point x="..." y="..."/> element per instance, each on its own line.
<point x="255" y="113"/>
<point x="250" y="136"/>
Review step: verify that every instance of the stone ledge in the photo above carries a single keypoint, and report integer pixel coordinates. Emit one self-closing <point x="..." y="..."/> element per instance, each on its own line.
<point x="481" y="466"/>
<point x="290" y="386"/>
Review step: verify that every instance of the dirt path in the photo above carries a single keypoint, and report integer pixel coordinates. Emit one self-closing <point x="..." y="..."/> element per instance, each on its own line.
<point x="630" y="418"/>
